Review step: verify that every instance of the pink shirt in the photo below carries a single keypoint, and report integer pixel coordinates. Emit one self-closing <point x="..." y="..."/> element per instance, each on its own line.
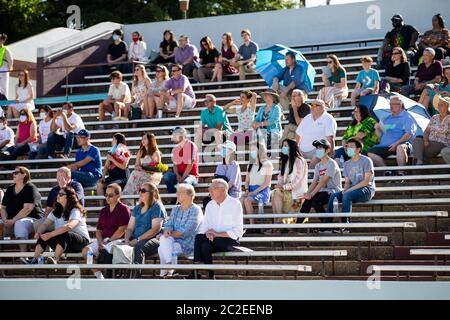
<point x="23" y="132"/>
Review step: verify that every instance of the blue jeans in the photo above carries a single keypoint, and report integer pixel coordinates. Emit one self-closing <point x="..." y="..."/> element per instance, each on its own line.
<point x="55" y="140"/>
<point x="170" y="179"/>
<point x="86" y="179"/>
<point x="358" y="195"/>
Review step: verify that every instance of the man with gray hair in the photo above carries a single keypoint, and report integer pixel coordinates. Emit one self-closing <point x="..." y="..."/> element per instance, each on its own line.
<point x="185" y="54"/>
<point x="213" y="122"/>
<point x="429" y="72"/>
<point x="185" y="161"/>
<point x="297" y="111"/>
<point x="222" y="225"/>
<point x="64" y="179"/>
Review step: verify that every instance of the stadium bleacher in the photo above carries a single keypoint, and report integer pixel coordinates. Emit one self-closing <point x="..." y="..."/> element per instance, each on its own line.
<point x="398" y="216"/>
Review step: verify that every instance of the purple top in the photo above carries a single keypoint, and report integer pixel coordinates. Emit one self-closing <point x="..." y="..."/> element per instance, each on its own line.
<point x="233" y="173"/>
<point x="182" y="54"/>
<point x="182" y="82"/>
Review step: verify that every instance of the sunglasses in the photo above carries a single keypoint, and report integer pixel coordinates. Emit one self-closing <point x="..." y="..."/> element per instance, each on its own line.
<point x="395" y="52"/>
<point x="110" y="195"/>
<point x="209" y="100"/>
<point x="329" y="62"/>
<point x="159" y="70"/>
<point x="16" y="172"/>
<point x="175" y="70"/>
<point x="144" y="190"/>
<point x="61" y="194"/>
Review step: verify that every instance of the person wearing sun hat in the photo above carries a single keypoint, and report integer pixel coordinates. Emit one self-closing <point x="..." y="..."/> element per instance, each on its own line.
<point x="436" y="137"/>
<point x="268" y="120"/>
<point x="87" y="169"/>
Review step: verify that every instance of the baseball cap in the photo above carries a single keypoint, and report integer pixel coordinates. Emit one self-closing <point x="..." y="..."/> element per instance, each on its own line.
<point x="229" y="145"/>
<point x="397" y="16"/>
<point x="84" y="133"/>
<point x="322" y="142"/>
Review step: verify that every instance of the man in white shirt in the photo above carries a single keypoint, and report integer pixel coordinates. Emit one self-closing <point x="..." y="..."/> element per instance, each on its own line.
<point x="317" y="125"/>
<point x="64" y="127"/>
<point x="222" y="225"/>
<point x="118" y="95"/>
<point x="6" y="134"/>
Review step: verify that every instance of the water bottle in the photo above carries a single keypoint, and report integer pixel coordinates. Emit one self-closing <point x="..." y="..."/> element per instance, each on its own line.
<point x="90" y="257"/>
<point x="336" y="205"/>
<point x="341" y="162"/>
<point x="260" y="207"/>
<point x="41" y="259"/>
<point x="174" y="257"/>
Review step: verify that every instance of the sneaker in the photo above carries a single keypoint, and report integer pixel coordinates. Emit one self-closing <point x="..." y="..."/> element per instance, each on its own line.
<point x="101" y="127"/>
<point x="24" y="260"/>
<point x="99" y="275"/>
<point x="116" y="126"/>
<point x="326" y="231"/>
<point x="65" y="156"/>
<point x="388" y="173"/>
<point x="50" y="157"/>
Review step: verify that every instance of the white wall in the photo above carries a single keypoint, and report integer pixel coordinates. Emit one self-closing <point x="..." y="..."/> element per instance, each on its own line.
<point x="298" y="26"/>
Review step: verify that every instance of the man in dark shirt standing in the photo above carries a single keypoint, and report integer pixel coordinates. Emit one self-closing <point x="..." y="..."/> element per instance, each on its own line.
<point x="117" y="52"/>
<point x="403" y="36"/>
<point x="297" y="111"/>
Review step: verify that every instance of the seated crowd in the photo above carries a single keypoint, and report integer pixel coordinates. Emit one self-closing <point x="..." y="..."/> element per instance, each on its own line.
<point x="134" y="225"/>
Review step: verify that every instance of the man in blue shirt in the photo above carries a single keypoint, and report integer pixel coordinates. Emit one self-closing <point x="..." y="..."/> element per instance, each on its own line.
<point x="291" y="76"/>
<point x="87" y="168"/>
<point x="396" y="132"/>
<point x="214" y="122"/>
<point x="245" y="59"/>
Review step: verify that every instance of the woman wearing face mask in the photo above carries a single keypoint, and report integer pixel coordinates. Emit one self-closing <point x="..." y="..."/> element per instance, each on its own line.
<point x="39" y="150"/>
<point x="229" y="170"/>
<point x="26" y="135"/>
<point x="70" y="234"/>
<point x="258" y="179"/>
<point x="116" y="165"/>
<point x="137" y="48"/>
<point x="326" y="181"/>
<point x="148" y="153"/>
<point x="359" y="180"/>
<point x="292" y="181"/>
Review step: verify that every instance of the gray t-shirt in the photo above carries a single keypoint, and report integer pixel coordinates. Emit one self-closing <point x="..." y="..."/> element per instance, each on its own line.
<point x="356" y="170"/>
<point x="75" y="214"/>
<point x="330" y="169"/>
<point x="246" y="51"/>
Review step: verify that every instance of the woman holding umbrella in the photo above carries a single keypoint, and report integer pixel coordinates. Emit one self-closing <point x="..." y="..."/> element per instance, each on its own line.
<point x="268" y="120"/>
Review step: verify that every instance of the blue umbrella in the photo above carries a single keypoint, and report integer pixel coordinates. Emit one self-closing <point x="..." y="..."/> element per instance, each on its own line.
<point x="380" y="108"/>
<point x="270" y="61"/>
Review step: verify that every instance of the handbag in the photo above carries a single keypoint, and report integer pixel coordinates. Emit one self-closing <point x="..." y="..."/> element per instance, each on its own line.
<point x="122" y="254"/>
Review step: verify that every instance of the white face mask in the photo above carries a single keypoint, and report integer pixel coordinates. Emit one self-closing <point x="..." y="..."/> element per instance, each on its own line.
<point x="23" y="118"/>
<point x="42" y="115"/>
<point x="65" y="111"/>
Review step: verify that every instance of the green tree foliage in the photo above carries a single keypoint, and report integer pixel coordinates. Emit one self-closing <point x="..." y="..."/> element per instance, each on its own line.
<point x="23" y="18"/>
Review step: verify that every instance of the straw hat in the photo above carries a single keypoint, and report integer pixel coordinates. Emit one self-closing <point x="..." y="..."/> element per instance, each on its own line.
<point x="275" y="96"/>
<point x="438" y="98"/>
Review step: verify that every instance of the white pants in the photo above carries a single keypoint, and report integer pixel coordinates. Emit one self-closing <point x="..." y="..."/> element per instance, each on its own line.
<point x="4" y="79"/>
<point x="166" y="247"/>
<point x="108" y="247"/>
<point x="22" y="228"/>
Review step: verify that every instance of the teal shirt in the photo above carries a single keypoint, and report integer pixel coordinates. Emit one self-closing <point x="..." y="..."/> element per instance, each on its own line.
<point x="273" y="117"/>
<point x="214" y="118"/>
<point x="368" y="79"/>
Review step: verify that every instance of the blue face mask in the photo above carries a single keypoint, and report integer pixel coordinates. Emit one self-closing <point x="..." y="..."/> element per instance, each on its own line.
<point x="115" y="37"/>
<point x="113" y="149"/>
<point x="350" y="152"/>
<point x="223" y="152"/>
<point x="285" y="151"/>
<point x="253" y="154"/>
<point x="320" y="153"/>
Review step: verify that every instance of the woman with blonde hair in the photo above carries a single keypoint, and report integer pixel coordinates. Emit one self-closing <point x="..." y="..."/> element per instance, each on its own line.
<point x="334" y="78"/>
<point x="147" y="156"/>
<point x="155" y="99"/>
<point x="24" y="95"/>
<point x="139" y="89"/>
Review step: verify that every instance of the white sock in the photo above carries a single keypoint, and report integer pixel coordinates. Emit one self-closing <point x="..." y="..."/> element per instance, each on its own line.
<point x="99" y="275"/>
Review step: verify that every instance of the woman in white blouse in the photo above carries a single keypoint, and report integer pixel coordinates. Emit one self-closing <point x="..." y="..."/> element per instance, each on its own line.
<point x="138" y="48"/>
<point x="24" y="96"/>
<point x="245" y="108"/>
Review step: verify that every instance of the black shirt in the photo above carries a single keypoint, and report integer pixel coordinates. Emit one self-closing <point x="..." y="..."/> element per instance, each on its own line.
<point x="208" y="57"/>
<point x="168" y="47"/>
<point x="117" y="50"/>
<point x="303" y="111"/>
<point x="400" y="71"/>
<point x="15" y="202"/>
<point x="401" y="38"/>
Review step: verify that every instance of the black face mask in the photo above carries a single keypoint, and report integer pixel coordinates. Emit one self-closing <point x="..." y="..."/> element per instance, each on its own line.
<point x="397" y="24"/>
